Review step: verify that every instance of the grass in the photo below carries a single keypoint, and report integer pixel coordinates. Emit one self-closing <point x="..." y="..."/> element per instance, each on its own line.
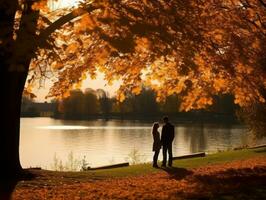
<point x="143" y="169"/>
<point x="239" y="174"/>
<point x="222" y="157"/>
<point x="216" y="158"/>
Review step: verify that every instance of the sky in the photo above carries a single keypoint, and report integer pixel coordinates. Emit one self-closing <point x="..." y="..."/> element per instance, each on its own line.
<point x="62" y="3"/>
<point x="98" y="83"/>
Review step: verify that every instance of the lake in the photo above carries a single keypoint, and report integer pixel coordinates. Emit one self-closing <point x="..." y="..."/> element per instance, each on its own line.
<point x="105" y="142"/>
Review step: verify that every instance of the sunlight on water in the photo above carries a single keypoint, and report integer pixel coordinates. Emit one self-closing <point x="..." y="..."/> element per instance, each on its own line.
<point x="93" y="127"/>
<point x="62" y="127"/>
<point x="111" y="141"/>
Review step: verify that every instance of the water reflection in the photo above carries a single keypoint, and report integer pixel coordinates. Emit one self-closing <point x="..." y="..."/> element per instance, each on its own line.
<point x="103" y="142"/>
<point x="91" y="127"/>
<point x="196" y="138"/>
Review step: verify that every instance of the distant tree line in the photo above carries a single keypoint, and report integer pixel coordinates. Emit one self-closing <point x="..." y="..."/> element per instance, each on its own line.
<point x="30" y="108"/>
<point x="91" y="104"/>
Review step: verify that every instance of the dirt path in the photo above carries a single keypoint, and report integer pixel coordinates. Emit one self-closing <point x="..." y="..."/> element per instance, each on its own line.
<point x="244" y="179"/>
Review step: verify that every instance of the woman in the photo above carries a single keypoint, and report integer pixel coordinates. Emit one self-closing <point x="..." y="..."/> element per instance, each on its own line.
<point x="156" y="143"/>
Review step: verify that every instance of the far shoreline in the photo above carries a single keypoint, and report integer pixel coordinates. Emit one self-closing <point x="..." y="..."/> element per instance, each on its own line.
<point x="207" y="118"/>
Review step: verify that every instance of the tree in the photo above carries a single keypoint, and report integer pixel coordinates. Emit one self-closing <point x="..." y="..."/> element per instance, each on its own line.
<point x="105" y="103"/>
<point x="170" y="105"/>
<point x="27" y="107"/>
<point x="201" y="57"/>
<point x="255" y="117"/>
<point x="19" y="41"/>
<point x="14" y="57"/>
<point x="79" y="105"/>
<point x="91" y="102"/>
<point x="224" y="104"/>
<point x="195" y="49"/>
<point x="144" y="104"/>
<point x="74" y="105"/>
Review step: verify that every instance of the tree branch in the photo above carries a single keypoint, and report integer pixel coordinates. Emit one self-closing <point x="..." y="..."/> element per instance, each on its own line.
<point x="43" y="36"/>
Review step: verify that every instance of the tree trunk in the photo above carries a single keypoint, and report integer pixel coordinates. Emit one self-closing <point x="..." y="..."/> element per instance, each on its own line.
<point x="9" y="138"/>
<point x="15" y="60"/>
<point x="15" y="57"/>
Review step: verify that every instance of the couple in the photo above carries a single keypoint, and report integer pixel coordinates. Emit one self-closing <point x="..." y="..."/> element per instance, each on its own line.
<point x="167" y="137"/>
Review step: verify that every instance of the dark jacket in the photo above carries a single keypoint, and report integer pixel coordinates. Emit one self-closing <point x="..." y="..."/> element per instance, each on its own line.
<point x="168" y="134"/>
<point x="156" y="141"/>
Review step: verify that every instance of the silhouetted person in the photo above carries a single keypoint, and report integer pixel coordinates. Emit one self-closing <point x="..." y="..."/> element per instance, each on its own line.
<point x="156" y="143"/>
<point x="168" y="134"/>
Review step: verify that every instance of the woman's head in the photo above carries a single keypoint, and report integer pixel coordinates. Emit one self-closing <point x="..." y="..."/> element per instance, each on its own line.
<point x="155" y="126"/>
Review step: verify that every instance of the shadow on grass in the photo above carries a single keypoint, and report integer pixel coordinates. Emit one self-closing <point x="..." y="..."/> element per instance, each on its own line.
<point x="245" y="183"/>
<point x="176" y="172"/>
<point x="260" y="150"/>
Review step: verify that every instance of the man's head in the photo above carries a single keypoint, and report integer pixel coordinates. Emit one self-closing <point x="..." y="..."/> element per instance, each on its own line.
<point x="165" y="119"/>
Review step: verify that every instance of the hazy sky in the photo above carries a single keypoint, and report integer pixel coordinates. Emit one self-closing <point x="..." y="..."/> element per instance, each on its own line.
<point x="53" y="4"/>
<point x="98" y="83"/>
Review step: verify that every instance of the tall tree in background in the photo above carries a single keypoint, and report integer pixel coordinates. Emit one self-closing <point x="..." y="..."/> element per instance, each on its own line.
<point x="144" y="104"/>
<point x="91" y="102"/>
<point x="105" y="103"/>
<point x="195" y="49"/>
<point x="79" y="105"/>
<point x="170" y="105"/>
<point x="74" y="105"/>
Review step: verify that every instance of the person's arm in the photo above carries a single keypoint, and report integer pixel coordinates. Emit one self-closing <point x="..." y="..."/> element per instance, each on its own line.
<point x="163" y="135"/>
<point x="153" y="136"/>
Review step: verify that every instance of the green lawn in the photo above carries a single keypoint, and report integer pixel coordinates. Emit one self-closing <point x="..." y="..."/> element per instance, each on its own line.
<point x="142" y="169"/>
<point x="246" y="182"/>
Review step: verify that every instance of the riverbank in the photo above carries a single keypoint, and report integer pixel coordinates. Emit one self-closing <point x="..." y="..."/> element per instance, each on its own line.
<point x="180" y="117"/>
<point x="237" y="174"/>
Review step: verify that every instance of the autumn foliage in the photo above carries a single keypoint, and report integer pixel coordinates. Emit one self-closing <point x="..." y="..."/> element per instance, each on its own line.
<point x="195" y="49"/>
<point x="234" y="180"/>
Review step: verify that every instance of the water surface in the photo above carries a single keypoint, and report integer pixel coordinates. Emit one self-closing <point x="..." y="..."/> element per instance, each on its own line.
<point x="104" y="142"/>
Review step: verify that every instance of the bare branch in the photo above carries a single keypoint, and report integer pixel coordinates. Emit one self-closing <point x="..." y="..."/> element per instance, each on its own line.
<point x="43" y="36"/>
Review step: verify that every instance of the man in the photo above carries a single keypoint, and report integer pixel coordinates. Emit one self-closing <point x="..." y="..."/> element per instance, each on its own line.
<point x="168" y="134"/>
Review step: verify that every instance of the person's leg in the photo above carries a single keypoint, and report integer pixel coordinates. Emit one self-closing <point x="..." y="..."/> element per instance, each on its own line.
<point x="155" y="158"/>
<point x="164" y="155"/>
<point x="170" y="161"/>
